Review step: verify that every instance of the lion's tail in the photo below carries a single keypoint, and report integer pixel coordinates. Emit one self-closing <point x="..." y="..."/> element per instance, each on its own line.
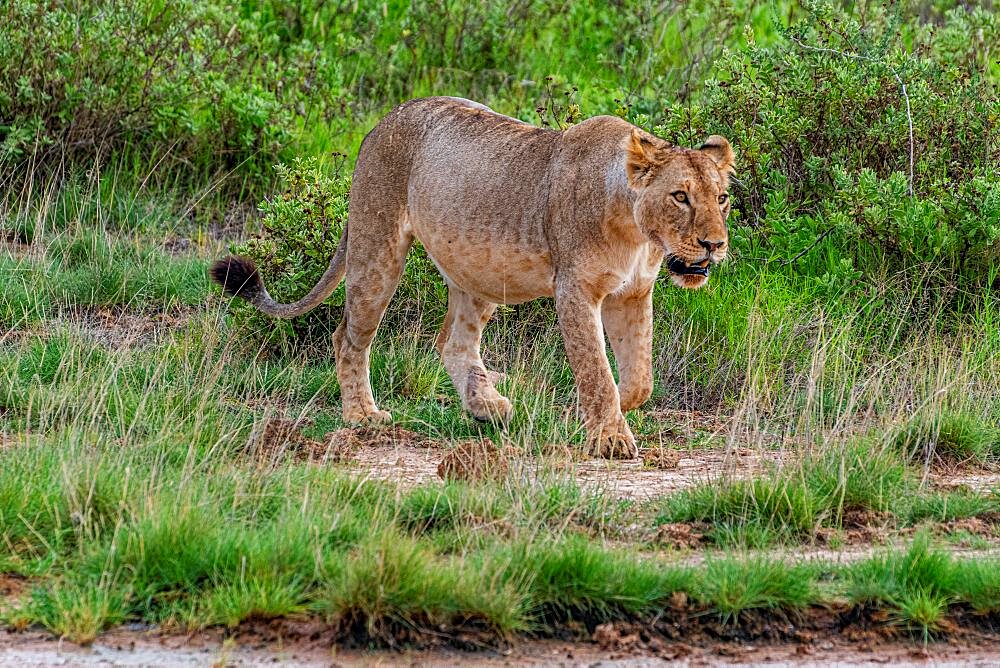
<point x="238" y="277"/>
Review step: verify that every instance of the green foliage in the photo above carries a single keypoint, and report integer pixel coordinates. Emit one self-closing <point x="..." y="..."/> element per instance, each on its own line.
<point x="95" y="270"/>
<point x="732" y="587"/>
<point x="919" y="584"/>
<point x="300" y="230"/>
<point x="182" y="81"/>
<point x="387" y="52"/>
<point x="978" y="583"/>
<point x="429" y="509"/>
<point x="253" y="598"/>
<point x="393" y="580"/>
<point x="942" y="506"/>
<point x="573" y="578"/>
<point x="821" y="123"/>
<point x="77" y="611"/>
<point x="794" y="502"/>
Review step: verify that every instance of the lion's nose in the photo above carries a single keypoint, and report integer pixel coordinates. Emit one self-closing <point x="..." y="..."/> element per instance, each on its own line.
<point x="711" y="246"/>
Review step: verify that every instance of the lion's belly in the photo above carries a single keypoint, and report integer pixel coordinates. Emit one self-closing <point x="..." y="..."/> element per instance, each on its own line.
<point x="498" y="274"/>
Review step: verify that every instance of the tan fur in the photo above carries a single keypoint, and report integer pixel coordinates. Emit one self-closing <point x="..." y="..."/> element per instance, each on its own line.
<point x="510" y="212"/>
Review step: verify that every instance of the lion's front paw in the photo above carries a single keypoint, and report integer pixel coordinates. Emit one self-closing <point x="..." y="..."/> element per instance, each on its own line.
<point x="612" y="440"/>
<point x="370" y="416"/>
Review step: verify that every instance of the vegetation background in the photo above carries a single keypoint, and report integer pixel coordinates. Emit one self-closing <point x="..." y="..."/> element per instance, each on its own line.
<point x="856" y="328"/>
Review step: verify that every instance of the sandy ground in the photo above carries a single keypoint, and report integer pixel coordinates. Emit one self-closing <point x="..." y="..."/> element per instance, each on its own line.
<point x="410" y="465"/>
<point x="407" y="465"/>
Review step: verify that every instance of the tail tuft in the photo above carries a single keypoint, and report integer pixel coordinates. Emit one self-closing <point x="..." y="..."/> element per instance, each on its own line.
<point x="238" y="277"/>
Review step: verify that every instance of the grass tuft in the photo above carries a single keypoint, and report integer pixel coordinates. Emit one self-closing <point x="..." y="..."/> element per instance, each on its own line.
<point x="392" y="581"/>
<point x="575" y="579"/>
<point x="257" y="598"/>
<point x="952" y="436"/>
<point x="793" y="502"/>
<point x="918" y="584"/>
<point x="732" y="587"/>
<point x="76" y="610"/>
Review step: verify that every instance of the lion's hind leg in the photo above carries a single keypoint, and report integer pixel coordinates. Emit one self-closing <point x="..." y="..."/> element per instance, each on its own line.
<point x="372" y="277"/>
<point x="459" y="343"/>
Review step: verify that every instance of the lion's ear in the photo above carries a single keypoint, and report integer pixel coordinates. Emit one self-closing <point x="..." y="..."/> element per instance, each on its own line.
<point x="642" y="156"/>
<point x="721" y="152"/>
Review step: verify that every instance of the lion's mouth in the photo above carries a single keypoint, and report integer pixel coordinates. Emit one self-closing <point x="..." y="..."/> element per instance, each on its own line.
<point x="682" y="268"/>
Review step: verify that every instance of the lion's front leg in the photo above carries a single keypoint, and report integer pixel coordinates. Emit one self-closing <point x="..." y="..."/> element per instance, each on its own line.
<point x="608" y="435"/>
<point x="628" y="320"/>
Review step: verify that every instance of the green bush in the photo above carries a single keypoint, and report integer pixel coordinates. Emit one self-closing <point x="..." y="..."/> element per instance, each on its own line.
<point x="300" y="229"/>
<point x="822" y="127"/>
<point x="183" y="82"/>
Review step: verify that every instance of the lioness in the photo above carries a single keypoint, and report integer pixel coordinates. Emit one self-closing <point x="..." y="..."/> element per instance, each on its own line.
<point x="510" y="212"/>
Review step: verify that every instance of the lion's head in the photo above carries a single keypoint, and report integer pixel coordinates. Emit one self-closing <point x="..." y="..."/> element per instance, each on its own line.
<point x="682" y="201"/>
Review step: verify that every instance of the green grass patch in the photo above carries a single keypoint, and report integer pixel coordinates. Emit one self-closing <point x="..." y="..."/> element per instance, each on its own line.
<point x="951" y="436"/>
<point x="791" y="503"/>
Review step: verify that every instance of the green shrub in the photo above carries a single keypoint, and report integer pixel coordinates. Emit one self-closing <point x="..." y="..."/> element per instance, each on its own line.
<point x="822" y="127"/>
<point x="300" y="230"/>
<point x="186" y="82"/>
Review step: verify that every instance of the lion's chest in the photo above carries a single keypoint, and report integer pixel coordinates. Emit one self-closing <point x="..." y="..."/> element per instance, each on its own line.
<point x="620" y="271"/>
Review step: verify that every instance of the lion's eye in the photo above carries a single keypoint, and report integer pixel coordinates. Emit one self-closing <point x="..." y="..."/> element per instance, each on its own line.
<point x="723" y="198"/>
<point x="680" y="196"/>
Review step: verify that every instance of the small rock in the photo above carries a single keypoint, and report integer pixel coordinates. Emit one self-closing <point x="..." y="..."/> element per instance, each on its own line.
<point x="475" y="460"/>
<point x="681" y="535"/>
<point x="659" y="457"/>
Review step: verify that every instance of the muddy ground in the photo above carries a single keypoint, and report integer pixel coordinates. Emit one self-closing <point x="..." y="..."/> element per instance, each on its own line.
<point x="142" y="648"/>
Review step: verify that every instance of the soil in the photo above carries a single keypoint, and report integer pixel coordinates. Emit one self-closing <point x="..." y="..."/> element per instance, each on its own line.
<point x="969" y="478"/>
<point x="12" y="586"/>
<point x="624" y="645"/>
<point x="681" y="535"/>
<point x="113" y="328"/>
<point x="280" y="436"/>
<point x="633" y="479"/>
<point x="398" y="455"/>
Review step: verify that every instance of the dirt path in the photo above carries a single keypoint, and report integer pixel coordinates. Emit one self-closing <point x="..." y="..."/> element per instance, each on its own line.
<point x="409" y="465"/>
